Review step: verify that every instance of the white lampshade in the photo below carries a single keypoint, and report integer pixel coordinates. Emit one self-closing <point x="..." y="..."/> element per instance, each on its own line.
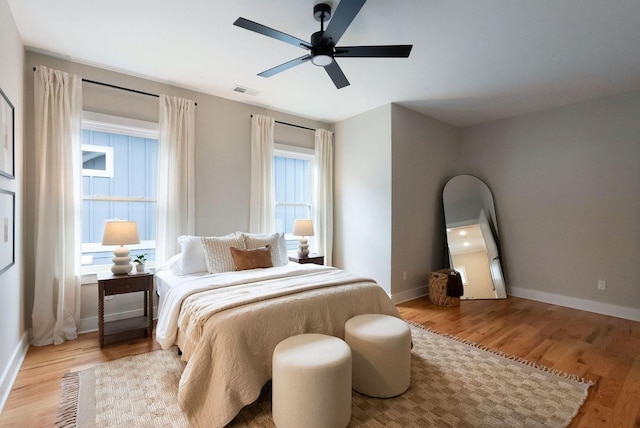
<point x="303" y="228"/>
<point x="120" y="232"/>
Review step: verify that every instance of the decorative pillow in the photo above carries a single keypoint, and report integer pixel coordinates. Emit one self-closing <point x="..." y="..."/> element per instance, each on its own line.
<point x="276" y="242"/>
<point x="193" y="260"/>
<point x="217" y="254"/>
<point x="252" y="259"/>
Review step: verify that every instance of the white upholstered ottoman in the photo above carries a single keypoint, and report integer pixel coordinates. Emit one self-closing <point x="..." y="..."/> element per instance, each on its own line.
<point x="311" y="382"/>
<point x="381" y="352"/>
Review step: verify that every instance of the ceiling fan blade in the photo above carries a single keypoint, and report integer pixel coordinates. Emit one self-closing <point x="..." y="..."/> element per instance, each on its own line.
<point x="344" y="14"/>
<point x="388" y="51"/>
<point x="270" y="32"/>
<point x="335" y="72"/>
<point x="287" y="65"/>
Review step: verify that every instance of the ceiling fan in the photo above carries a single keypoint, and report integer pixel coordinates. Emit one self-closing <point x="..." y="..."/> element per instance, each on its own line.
<point x="323" y="49"/>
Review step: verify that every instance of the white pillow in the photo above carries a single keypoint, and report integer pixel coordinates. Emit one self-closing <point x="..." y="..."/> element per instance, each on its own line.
<point x="193" y="259"/>
<point x="276" y="242"/>
<point x="173" y="264"/>
<point x="217" y="252"/>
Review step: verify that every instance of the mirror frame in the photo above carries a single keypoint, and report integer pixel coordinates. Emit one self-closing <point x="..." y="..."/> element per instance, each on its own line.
<point x="487" y="221"/>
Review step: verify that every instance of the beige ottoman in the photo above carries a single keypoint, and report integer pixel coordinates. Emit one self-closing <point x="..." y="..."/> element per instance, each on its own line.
<point x="311" y="382"/>
<point x="381" y="351"/>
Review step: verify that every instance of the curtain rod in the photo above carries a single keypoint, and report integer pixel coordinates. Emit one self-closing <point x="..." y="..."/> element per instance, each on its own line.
<point x="108" y="85"/>
<point x="295" y="126"/>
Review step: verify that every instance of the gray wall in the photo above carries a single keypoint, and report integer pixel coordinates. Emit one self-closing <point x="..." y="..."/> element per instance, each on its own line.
<point x="391" y="164"/>
<point x="424" y="157"/>
<point x="362" y="195"/>
<point x="222" y="150"/>
<point x="566" y="184"/>
<point x="13" y="333"/>
<point x="565" y="181"/>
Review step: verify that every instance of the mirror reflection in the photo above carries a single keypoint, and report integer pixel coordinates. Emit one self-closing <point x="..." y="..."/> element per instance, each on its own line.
<point x="471" y="237"/>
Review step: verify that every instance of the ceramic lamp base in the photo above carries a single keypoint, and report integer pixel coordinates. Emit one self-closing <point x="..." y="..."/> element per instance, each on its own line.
<point x="303" y="247"/>
<point x="121" y="261"/>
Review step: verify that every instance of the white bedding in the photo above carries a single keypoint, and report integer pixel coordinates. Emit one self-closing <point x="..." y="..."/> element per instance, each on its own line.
<point x="228" y="324"/>
<point x="173" y="289"/>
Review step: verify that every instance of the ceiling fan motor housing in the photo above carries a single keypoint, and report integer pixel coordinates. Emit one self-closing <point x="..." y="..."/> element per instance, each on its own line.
<point x="321" y="55"/>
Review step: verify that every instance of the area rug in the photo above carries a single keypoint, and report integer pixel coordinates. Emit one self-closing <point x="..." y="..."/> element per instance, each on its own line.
<point x="453" y="384"/>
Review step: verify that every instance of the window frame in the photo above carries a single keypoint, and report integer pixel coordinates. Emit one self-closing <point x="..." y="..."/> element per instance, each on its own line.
<point x="92" y="121"/>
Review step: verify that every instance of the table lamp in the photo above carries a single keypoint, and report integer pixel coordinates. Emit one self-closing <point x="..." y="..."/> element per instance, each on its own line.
<point x="120" y="232"/>
<point x="303" y="228"/>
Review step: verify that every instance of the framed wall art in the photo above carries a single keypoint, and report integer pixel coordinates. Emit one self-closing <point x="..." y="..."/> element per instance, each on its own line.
<point x="7" y="136"/>
<point x="7" y="229"/>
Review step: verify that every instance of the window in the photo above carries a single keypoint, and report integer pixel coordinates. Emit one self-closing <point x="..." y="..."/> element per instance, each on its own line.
<point x="293" y="178"/>
<point x="119" y="180"/>
<point x="97" y="161"/>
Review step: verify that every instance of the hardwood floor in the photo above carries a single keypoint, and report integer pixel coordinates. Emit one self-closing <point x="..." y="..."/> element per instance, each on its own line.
<point x="603" y="349"/>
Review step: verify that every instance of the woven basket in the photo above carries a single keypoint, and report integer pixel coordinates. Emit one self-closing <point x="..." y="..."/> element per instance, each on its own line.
<point x="438" y="289"/>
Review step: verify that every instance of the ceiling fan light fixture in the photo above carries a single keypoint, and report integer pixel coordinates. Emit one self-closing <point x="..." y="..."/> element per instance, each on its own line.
<point x="322" y="60"/>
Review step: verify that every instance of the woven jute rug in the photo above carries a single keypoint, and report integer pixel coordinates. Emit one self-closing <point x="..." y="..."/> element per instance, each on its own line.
<point x="453" y="384"/>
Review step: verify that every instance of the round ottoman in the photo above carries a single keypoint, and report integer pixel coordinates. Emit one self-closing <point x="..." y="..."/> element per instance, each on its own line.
<point x="311" y="382"/>
<point x="381" y="351"/>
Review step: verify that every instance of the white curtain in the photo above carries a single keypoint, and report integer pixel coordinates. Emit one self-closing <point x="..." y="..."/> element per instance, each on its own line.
<point x="58" y="134"/>
<point x="176" y="175"/>
<point x="323" y="200"/>
<point x="262" y="215"/>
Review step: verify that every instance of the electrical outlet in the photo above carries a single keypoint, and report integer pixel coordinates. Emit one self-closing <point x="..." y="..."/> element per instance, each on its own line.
<point x="602" y="285"/>
<point x="404" y="275"/>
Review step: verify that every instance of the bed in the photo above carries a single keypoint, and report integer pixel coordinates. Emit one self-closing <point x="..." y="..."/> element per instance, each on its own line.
<point x="228" y="323"/>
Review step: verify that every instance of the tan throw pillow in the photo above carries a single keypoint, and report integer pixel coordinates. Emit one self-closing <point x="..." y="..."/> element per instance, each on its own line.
<point x="252" y="259"/>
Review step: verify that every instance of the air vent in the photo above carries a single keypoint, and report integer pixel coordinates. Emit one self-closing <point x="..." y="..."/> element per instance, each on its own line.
<point x="244" y="90"/>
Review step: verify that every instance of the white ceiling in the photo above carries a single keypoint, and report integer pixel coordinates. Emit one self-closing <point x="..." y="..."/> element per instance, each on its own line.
<point x="472" y="61"/>
<point x="465" y="239"/>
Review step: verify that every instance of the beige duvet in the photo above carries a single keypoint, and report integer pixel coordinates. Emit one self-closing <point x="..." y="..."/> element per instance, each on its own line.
<point x="228" y="334"/>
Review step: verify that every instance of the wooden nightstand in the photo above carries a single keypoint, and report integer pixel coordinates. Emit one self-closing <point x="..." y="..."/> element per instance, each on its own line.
<point x="313" y="258"/>
<point x="128" y="328"/>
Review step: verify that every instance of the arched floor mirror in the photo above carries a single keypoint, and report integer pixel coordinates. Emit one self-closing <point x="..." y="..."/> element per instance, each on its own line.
<point x="472" y="232"/>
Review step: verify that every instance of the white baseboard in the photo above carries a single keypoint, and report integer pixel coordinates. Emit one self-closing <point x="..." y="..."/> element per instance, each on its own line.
<point x="87" y="325"/>
<point x="576" y="303"/>
<point x="625" y="312"/>
<point x="404" y="296"/>
<point x="11" y="372"/>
